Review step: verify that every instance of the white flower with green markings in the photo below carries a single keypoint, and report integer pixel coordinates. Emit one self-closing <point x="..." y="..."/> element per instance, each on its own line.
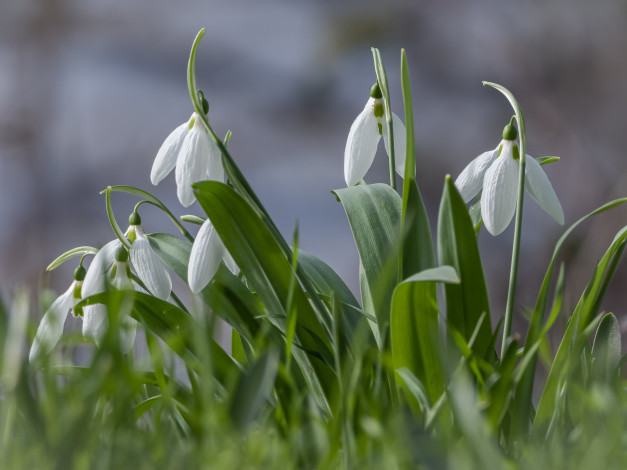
<point x="146" y="264"/>
<point x="195" y="155"/>
<point x="495" y="175"/>
<point x="363" y="139"/>
<point x="50" y="328"/>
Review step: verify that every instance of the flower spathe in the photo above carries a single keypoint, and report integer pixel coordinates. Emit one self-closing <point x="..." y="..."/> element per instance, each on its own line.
<point x="363" y="140"/>
<point x="190" y="149"/>
<point x="204" y="260"/>
<point x="495" y="174"/>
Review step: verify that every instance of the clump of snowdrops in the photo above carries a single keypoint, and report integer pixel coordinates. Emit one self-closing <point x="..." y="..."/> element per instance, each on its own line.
<point x="315" y="377"/>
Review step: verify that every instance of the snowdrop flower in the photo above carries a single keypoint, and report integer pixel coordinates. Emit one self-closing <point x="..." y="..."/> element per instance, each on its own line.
<point x="207" y="253"/>
<point x="364" y="136"/>
<point x="195" y="155"/>
<point x="146" y="264"/>
<point x="495" y="174"/>
<point x="51" y="327"/>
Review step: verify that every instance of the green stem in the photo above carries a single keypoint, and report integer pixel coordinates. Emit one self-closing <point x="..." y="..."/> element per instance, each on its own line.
<point x="383" y="85"/>
<point x="513" y="274"/>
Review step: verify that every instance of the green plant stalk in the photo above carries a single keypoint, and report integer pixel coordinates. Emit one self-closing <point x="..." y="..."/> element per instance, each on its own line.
<point x="410" y="153"/>
<point x="383" y="85"/>
<point x="513" y="273"/>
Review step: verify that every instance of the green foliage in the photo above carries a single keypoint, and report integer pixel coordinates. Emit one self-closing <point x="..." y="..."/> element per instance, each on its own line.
<point x="408" y="378"/>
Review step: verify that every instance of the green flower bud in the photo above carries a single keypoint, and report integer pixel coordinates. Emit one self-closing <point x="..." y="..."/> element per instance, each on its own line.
<point x="134" y="219"/>
<point x="375" y="91"/>
<point x="509" y="131"/>
<point x="80" y="273"/>
<point x="121" y="255"/>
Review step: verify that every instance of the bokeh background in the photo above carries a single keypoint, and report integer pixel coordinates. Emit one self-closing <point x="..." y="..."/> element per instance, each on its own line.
<point x="90" y="88"/>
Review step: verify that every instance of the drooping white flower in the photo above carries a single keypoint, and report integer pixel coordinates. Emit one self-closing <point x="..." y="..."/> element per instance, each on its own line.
<point x="146" y="264"/>
<point x="495" y="174"/>
<point x="195" y="155"/>
<point x="50" y="328"/>
<point x="363" y="139"/>
<point x="207" y="253"/>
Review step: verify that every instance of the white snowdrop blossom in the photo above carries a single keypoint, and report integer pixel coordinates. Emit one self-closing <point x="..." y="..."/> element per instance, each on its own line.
<point x="50" y="328"/>
<point x="207" y="253"/>
<point x="146" y="264"/>
<point x="495" y="174"/>
<point x="363" y="140"/>
<point x="195" y="155"/>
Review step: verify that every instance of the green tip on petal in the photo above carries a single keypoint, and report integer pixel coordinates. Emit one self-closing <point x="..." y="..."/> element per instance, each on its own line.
<point x="375" y="91"/>
<point x="121" y="255"/>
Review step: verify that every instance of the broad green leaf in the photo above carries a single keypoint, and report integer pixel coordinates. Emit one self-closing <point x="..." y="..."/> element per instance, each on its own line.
<point x="173" y="251"/>
<point x="415" y="335"/>
<point x="253" y="390"/>
<point x="266" y="268"/>
<point x="606" y="350"/>
<point x="73" y="253"/>
<point x="374" y="213"/>
<point x="457" y="247"/>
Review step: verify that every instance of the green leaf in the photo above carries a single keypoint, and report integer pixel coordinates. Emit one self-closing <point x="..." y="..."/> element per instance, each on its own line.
<point x="587" y="307"/>
<point x="374" y="213"/>
<point x="457" y="247"/>
<point x="172" y="325"/>
<point x="73" y="253"/>
<point x="416" y="252"/>
<point x="522" y="409"/>
<point x="415" y="336"/>
<point x="606" y="350"/>
<point x="173" y="251"/>
<point x="328" y="284"/>
<point x="254" y="390"/>
<point x="266" y="268"/>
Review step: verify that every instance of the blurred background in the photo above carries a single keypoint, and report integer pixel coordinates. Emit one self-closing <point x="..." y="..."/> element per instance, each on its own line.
<point x="89" y="89"/>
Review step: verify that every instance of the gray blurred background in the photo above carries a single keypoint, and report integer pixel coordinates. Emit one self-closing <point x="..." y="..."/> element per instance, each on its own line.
<point x="90" y="88"/>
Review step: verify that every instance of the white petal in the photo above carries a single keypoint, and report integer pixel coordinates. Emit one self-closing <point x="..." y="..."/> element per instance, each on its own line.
<point x="192" y="163"/>
<point x="94" y="282"/>
<point x="95" y="322"/>
<point x="215" y="171"/>
<point x="470" y="181"/>
<point x="361" y="145"/>
<point x="541" y="190"/>
<point x="204" y="260"/>
<point x="166" y="156"/>
<point x="51" y="327"/>
<point x="400" y="143"/>
<point x="149" y="268"/>
<point x="498" y="199"/>
<point x="230" y="263"/>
